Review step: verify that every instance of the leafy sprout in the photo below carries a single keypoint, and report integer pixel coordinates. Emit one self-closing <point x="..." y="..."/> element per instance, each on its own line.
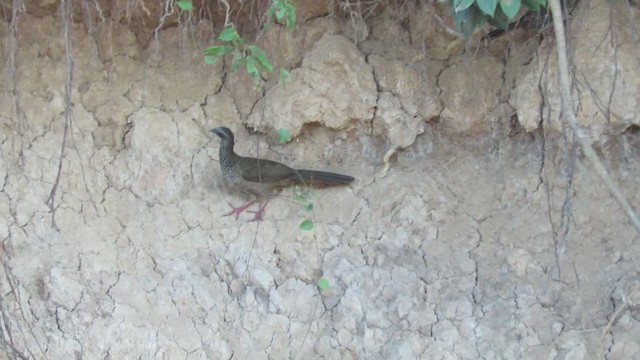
<point x="306" y="225"/>
<point x="185" y="5"/>
<point x="468" y="15"/>
<point x="284" y="11"/>
<point x="252" y="57"/>
<point x="284" y="135"/>
<point x="323" y="284"/>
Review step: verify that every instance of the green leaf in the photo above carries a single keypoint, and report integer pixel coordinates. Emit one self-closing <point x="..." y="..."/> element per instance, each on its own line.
<point x="468" y="20"/>
<point x="238" y="59"/>
<point x="285" y="77"/>
<point x="487" y="6"/>
<point x="282" y="10"/>
<point x="534" y="5"/>
<point x="291" y="7"/>
<point x="252" y="69"/>
<point x="323" y="284"/>
<point x="459" y="5"/>
<point x="510" y="7"/>
<point x="229" y="34"/>
<point x="499" y="20"/>
<point x="210" y="59"/>
<point x="284" y="136"/>
<point x="218" y="50"/>
<point x="306" y="225"/>
<point x="308" y="207"/>
<point x="301" y="194"/>
<point x="185" y="5"/>
<point x="261" y="57"/>
<point x="291" y="19"/>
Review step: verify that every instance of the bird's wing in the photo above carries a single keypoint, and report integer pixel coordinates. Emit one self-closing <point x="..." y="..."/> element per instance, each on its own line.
<point x="263" y="170"/>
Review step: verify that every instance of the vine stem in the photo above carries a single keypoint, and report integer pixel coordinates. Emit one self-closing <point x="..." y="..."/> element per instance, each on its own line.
<point x="65" y="8"/>
<point x="569" y="115"/>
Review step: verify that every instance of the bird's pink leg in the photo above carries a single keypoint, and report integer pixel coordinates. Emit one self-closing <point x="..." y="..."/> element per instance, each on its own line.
<point x="238" y="210"/>
<point x="258" y="214"/>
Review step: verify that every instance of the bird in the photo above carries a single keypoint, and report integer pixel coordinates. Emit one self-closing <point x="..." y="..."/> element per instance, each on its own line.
<point x="260" y="177"/>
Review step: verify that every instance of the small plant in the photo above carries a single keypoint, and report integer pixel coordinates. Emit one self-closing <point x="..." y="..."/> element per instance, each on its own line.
<point x="304" y="195"/>
<point x="251" y="56"/>
<point x="306" y="225"/>
<point x="185" y="5"/>
<point x="284" y="135"/>
<point x="285" y="77"/>
<point x="283" y="11"/>
<point x="323" y="284"/>
<point x="471" y="14"/>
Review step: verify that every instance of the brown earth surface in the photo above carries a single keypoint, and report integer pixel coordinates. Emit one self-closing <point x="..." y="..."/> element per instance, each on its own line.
<point x="488" y="237"/>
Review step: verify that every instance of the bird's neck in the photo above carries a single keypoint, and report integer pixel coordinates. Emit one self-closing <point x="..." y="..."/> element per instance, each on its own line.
<point x="226" y="153"/>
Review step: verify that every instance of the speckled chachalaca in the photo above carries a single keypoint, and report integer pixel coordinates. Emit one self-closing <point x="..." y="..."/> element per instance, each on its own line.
<point x="260" y="177"/>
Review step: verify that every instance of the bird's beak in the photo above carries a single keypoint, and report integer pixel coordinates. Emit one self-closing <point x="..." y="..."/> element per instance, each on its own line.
<point x="223" y="133"/>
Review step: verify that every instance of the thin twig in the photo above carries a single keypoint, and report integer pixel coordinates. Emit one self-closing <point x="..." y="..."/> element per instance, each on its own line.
<point x="227" y="11"/>
<point x="630" y="301"/>
<point x="6" y="323"/>
<point x="614" y="46"/>
<point x="633" y="32"/>
<point x="23" y="125"/>
<point x="13" y="289"/>
<point x="168" y="11"/>
<point x="570" y="117"/>
<point x="65" y="8"/>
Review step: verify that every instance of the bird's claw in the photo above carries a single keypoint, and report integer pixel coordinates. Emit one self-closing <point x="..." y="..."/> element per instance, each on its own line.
<point x="240" y="209"/>
<point x="259" y="213"/>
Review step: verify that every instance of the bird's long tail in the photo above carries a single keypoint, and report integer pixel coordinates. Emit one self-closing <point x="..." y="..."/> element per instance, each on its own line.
<point x="320" y="178"/>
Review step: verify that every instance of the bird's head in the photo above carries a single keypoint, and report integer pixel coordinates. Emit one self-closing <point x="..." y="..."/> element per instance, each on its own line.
<point x="224" y="133"/>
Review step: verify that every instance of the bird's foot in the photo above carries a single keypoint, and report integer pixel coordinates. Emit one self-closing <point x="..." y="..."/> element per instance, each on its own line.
<point x="240" y="209"/>
<point x="258" y="214"/>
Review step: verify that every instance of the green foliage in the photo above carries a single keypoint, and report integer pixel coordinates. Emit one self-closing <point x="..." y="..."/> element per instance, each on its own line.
<point x="185" y="5"/>
<point x="250" y="56"/>
<point x="306" y="225"/>
<point x="488" y="6"/>
<point x="229" y="34"/>
<point x="510" y="7"/>
<point x="285" y="77"/>
<point x="323" y="284"/>
<point x="468" y="20"/>
<point x="283" y="11"/>
<point x="468" y="15"/>
<point x="462" y="4"/>
<point x="260" y="57"/>
<point x="213" y="53"/>
<point x="284" y="136"/>
<point x="535" y="5"/>
<point x="304" y="195"/>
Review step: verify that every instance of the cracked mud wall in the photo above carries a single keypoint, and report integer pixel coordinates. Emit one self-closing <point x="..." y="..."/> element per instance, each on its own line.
<point x="457" y="253"/>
